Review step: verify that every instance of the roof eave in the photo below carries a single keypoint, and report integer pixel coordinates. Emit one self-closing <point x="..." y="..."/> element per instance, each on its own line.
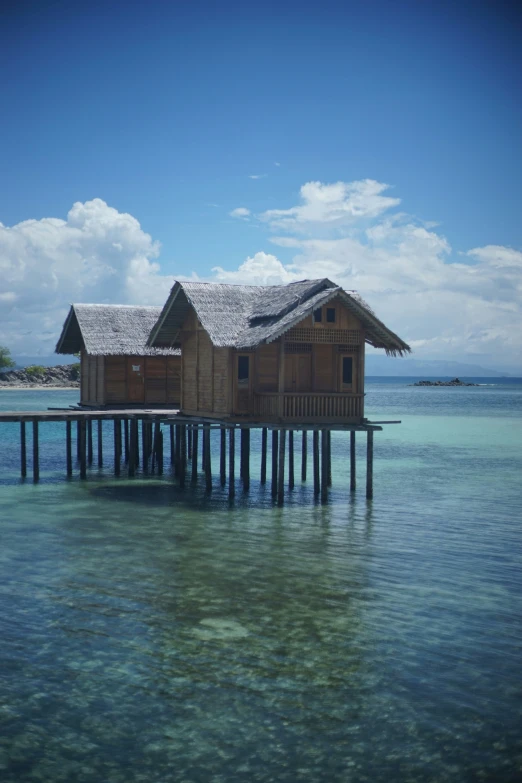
<point x="164" y="313"/>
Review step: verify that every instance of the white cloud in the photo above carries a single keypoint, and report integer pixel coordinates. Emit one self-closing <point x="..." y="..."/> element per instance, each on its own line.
<point x="336" y="204"/>
<point x="257" y="176"/>
<point x="97" y="255"/>
<point x="445" y="308"/>
<point x="261" y="269"/>
<point x="240" y="212"/>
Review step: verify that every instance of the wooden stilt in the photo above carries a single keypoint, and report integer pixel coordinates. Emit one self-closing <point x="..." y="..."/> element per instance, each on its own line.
<point x="68" y="447"/>
<point x="137" y="443"/>
<point x="329" y="457"/>
<point x="208" y="463"/>
<point x="155" y="445"/>
<point x="291" y="478"/>
<point x="189" y="441"/>
<point x="177" y="451"/>
<point x="223" y="457"/>
<point x="100" y="443"/>
<point x="231" y="462"/>
<point x="126" y="440"/>
<point x="78" y="440"/>
<point x="89" y="442"/>
<point x="304" y="449"/>
<point x="117" y="446"/>
<point x="195" y="454"/>
<point x="203" y="450"/>
<point x="369" y="465"/>
<point x="172" y="451"/>
<point x="275" y="442"/>
<point x="316" y="462"/>
<point x="352" y="461"/>
<point x="36" y="453"/>
<point x="160" y="453"/>
<point x="281" y="469"/>
<point x="241" y="452"/>
<point x="264" y="439"/>
<point x="182" y="455"/>
<point x="246" y="459"/>
<point x="133" y="438"/>
<point x="83" y="446"/>
<point x="324" y="466"/>
<point x="144" y="447"/>
<point x="183" y="448"/>
<point x="23" y="449"/>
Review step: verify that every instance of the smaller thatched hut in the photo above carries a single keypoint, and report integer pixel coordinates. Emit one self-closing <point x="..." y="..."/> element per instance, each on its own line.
<point x="117" y="367"/>
<point x="272" y="353"/>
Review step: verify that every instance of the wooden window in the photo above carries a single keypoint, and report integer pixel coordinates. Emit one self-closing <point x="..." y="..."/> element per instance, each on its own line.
<point x="347" y="370"/>
<point x="243" y="370"/>
<point x="330" y="315"/>
<point x="318" y="316"/>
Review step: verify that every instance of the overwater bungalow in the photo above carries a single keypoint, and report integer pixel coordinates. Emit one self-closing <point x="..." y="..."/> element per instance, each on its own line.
<point x="272" y="353"/>
<point x="117" y="366"/>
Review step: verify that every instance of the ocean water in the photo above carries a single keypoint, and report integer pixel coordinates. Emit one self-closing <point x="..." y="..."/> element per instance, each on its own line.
<point x="154" y="634"/>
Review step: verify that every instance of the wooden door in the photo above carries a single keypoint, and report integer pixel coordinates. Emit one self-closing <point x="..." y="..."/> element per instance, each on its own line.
<point x="298" y="372"/>
<point x="243" y="379"/>
<point x="135" y="379"/>
<point x="348" y="372"/>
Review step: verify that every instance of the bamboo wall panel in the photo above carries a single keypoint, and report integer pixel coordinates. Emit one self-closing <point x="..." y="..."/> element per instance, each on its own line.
<point x="222" y="401"/>
<point x="189" y="360"/>
<point x="100" y="380"/>
<point x="266" y="360"/>
<point x="323" y="369"/>
<point x="115" y="379"/>
<point x="173" y="380"/>
<point x="204" y="372"/>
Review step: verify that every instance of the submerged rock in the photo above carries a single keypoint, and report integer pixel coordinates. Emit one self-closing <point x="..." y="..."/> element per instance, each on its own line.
<point x="215" y="628"/>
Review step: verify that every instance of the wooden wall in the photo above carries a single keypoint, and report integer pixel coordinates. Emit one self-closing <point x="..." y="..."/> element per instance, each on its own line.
<point x="206" y="372"/>
<point x="107" y="380"/>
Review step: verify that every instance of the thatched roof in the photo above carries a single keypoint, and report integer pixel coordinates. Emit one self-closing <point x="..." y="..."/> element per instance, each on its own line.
<point x="110" y="330"/>
<point x="244" y="316"/>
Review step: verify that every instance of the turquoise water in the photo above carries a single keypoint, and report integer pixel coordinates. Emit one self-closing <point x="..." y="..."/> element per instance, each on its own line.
<point x="153" y="634"/>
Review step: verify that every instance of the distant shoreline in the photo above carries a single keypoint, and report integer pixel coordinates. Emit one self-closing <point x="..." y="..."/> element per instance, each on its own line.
<point x="38" y="387"/>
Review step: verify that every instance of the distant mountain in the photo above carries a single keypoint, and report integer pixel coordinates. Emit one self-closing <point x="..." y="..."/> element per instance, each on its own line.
<point x="386" y="365"/>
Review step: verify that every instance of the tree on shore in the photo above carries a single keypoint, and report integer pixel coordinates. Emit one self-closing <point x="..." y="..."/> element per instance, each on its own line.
<point x="6" y="362"/>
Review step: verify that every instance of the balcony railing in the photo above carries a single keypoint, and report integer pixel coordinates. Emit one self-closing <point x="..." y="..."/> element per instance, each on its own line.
<point x="308" y="405"/>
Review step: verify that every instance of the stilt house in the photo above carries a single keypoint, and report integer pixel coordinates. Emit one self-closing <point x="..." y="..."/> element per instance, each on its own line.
<point x="117" y="367"/>
<point x="272" y="353"/>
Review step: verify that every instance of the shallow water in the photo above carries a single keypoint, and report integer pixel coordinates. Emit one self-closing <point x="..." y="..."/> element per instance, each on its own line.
<point x="153" y="634"/>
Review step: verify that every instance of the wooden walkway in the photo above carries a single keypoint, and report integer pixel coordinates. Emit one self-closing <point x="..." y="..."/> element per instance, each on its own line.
<point x="134" y="445"/>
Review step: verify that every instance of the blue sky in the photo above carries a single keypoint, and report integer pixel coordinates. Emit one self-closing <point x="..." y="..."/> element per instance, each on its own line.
<point x="165" y="111"/>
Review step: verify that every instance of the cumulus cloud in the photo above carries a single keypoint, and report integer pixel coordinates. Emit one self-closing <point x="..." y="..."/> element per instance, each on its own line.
<point x="96" y="255"/>
<point x="334" y="204"/>
<point x="261" y="269"/>
<point x="446" y="305"/>
<point x="240" y="212"/>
